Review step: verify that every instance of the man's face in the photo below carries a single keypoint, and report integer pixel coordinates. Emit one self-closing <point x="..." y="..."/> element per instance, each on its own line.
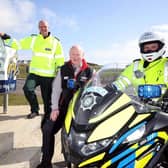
<point x="76" y="56"/>
<point x="150" y="47"/>
<point x="43" y="27"/>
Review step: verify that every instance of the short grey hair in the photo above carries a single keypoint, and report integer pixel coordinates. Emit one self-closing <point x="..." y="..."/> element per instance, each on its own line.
<point x="77" y="46"/>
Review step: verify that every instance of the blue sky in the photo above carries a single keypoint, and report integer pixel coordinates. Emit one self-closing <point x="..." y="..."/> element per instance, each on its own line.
<point x="107" y="30"/>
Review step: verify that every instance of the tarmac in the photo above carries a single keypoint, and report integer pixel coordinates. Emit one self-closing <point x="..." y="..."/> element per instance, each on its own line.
<point x="21" y="139"/>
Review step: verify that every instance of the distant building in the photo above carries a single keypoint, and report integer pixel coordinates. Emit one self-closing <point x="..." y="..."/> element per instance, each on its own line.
<point x="23" y="62"/>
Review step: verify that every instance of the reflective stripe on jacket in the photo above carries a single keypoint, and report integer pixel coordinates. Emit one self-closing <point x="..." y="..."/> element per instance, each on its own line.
<point x="135" y="74"/>
<point x="47" y="53"/>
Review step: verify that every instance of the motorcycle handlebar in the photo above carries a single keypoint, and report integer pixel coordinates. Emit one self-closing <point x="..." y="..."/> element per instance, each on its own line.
<point x="147" y="105"/>
<point x="154" y="106"/>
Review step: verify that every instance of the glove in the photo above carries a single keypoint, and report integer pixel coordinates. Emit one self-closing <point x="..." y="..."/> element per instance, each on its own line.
<point x="164" y="106"/>
<point x="4" y="36"/>
<point x="110" y="88"/>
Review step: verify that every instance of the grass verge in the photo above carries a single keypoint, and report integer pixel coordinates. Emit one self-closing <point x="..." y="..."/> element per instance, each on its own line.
<point x="15" y="99"/>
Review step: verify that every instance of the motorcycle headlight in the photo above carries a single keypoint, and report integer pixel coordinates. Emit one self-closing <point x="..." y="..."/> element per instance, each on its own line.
<point x="137" y="134"/>
<point x="95" y="146"/>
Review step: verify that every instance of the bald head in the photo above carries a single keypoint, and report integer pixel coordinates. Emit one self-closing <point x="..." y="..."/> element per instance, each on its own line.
<point x="43" y="28"/>
<point x="76" y="54"/>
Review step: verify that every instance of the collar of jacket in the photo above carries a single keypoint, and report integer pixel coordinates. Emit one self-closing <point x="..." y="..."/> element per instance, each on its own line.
<point x="83" y="66"/>
<point x="49" y="33"/>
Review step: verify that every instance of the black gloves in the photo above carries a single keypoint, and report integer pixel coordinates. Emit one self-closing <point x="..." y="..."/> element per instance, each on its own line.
<point x="110" y="88"/>
<point x="4" y="36"/>
<point x="164" y="105"/>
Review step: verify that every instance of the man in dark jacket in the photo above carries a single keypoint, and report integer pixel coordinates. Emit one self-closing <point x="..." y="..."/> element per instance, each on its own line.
<point x="72" y="76"/>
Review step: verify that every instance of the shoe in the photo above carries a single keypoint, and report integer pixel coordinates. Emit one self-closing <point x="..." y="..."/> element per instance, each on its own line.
<point x="32" y="115"/>
<point x="44" y="165"/>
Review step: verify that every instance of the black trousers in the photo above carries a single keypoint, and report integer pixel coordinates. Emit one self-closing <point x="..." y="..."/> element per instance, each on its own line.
<point x="29" y="87"/>
<point x="49" y="129"/>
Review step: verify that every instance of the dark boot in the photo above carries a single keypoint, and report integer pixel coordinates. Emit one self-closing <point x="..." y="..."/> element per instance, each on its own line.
<point x="32" y="115"/>
<point x="44" y="165"/>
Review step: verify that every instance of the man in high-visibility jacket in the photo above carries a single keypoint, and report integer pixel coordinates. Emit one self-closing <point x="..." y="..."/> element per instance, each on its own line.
<point x="46" y="59"/>
<point x="152" y="69"/>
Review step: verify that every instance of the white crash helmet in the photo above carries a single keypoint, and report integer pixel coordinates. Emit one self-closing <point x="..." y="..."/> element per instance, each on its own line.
<point x="149" y="37"/>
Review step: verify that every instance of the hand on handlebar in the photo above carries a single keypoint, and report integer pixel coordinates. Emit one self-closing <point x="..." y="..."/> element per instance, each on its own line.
<point x="110" y="87"/>
<point x="164" y="106"/>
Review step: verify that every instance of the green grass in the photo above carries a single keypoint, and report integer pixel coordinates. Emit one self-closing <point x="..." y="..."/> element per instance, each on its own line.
<point x="15" y="99"/>
<point x="19" y="99"/>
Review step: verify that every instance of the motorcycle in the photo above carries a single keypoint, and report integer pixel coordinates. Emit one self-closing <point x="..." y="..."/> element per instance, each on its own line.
<point x="108" y="128"/>
<point x="8" y="68"/>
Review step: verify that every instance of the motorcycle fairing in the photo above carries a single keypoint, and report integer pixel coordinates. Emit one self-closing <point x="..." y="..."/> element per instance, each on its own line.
<point x="132" y="157"/>
<point x="88" y="145"/>
<point x="138" y="119"/>
<point x="135" y="152"/>
<point x="92" y="160"/>
<point x="70" y="112"/>
<point x="100" y="132"/>
<point x="121" y="101"/>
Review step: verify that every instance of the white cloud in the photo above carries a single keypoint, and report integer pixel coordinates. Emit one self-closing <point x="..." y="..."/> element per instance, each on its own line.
<point x="121" y="54"/>
<point x="19" y="16"/>
<point x="16" y="15"/>
<point x="163" y="27"/>
<point x="125" y="52"/>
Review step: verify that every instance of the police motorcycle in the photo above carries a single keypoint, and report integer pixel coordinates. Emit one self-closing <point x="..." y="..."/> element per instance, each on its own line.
<point x="8" y="68"/>
<point x="108" y="128"/>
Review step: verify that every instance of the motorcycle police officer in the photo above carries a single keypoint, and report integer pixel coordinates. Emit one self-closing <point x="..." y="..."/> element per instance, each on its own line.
<point x="151" y="69"/>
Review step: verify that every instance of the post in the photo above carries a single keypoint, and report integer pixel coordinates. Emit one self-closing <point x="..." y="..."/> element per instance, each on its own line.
<point x="5" y="103"/>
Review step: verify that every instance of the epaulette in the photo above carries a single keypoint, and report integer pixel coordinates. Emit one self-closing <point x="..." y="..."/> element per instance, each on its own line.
<point x="136" y="60"/>
<point x="33" y="34"/>
<point x="57" y="38"/>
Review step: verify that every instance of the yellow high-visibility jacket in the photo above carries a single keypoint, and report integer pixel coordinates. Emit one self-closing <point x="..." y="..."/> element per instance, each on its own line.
<point x="135" y="74"/>
<point x="47" y="53"/>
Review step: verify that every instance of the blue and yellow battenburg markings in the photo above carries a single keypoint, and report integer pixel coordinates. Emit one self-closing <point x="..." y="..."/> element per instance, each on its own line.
<point x="130" y="160"/>
<point x="126" y="161"/>
<point x="134" y="151"/>
<point x="122" y="138"/>
<point x="92" y="160"/>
